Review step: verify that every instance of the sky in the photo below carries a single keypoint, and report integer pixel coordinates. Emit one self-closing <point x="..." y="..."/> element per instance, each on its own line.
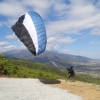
<point x="72" y="26"/>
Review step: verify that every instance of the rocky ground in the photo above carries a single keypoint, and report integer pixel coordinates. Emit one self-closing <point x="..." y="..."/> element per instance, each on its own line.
<point x="32" y="89"/>
<point x="44" y="89"/>
<point x="86" y="90"/>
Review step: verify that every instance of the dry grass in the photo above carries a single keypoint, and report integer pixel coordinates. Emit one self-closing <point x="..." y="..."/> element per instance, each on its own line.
<point x="86" y="90"/>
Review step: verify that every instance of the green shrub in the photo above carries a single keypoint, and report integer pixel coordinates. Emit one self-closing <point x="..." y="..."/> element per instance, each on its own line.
<point x="27" y="69"/>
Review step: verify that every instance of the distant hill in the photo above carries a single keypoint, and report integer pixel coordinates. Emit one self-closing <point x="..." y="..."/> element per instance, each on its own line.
<point x="59" y="60"/>
<point x="27" y="69"/>
<point x="30" y="69"/>
<point x="48" y="57"/>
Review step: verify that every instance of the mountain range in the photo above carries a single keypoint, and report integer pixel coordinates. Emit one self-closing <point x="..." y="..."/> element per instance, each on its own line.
<point x="59" y="60"/>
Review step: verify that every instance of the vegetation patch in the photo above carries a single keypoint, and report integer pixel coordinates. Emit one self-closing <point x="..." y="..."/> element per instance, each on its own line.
<point x="28" y="69"/>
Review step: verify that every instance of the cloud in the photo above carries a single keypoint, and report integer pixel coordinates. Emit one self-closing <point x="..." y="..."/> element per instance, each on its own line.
<point x="52" y="47"/>
<point x="65" y="51"/>
<point x="10" y="22"/>
<point x="64" y="20"/>
<point x="96" y="31"/>
<point x="11" y="46"/>
<point x="67" y="40"/>
<point x="40" y="6"/>
<point x="0" y="24"/>
<point x="22" y="6"/>
<point x="58" y="41"/>
<point x="90" y="54"/>
<point x="75" y="10"/>
<point x="96" y="42"/>
<point x="14" y="47"/>
<point x="78" y="15"/>
<point x="17" y="8"/>
<point x="12" y="36"/>
<point x="11" y="8"/>
<point x="2" y="44"/>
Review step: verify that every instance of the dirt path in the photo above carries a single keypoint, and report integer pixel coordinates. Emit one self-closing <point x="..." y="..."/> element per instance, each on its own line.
<point x="86" y="90"/>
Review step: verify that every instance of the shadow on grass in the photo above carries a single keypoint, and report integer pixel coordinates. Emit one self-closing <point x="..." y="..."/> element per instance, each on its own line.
<point x="50" y="81"/>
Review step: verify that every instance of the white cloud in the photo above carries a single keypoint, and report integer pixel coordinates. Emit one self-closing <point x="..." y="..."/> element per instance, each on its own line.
<point x="58" y="42"/>
<point x="79" y="15"/>
<point x="96" y="42"/>
<point x="90" y="54"/>
<point x="11" y="8"/>
<point x="65" y="51"/>
<point x="53" y="47"/>
<point x="17" y="8"/>
<point x="0" y="24"/>
<point x="2" y="44"/>
<point x="59" y="17"/>
<point x="11" y="46"/>
<point x="14" y="9"/>
<point x="61" y="9"/>
<point x="50" y="40"/>
<point x="96" y="31"/>
<point x="10" y="22"/>
<point x="67" y="40"/>
<point x="12" y="36"/>
<point x="60" y="39"/>
<point x="56" y="47"/>
<point x="40" y="6"/>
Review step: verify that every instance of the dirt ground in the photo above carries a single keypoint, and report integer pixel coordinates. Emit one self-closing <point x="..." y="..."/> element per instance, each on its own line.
<point x="86" y="90"/>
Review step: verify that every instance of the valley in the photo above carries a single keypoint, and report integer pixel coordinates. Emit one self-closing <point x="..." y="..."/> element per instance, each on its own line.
<point x="61" y="61"/>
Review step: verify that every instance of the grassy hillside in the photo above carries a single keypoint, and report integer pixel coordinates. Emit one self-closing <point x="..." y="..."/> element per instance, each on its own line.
<point x="20" y="68"/>
<point x="27" y="69"/>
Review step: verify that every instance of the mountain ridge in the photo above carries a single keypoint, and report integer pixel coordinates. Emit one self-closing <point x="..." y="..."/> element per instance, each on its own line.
<point x="56" y="59"/>
<point x="48" y="56"/>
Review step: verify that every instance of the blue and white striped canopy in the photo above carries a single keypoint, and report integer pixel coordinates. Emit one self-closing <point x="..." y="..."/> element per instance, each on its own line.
<point x="31" y="31"/>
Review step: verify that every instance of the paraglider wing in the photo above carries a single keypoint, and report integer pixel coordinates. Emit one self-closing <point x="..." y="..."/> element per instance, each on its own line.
<point x="31" y="31"/>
